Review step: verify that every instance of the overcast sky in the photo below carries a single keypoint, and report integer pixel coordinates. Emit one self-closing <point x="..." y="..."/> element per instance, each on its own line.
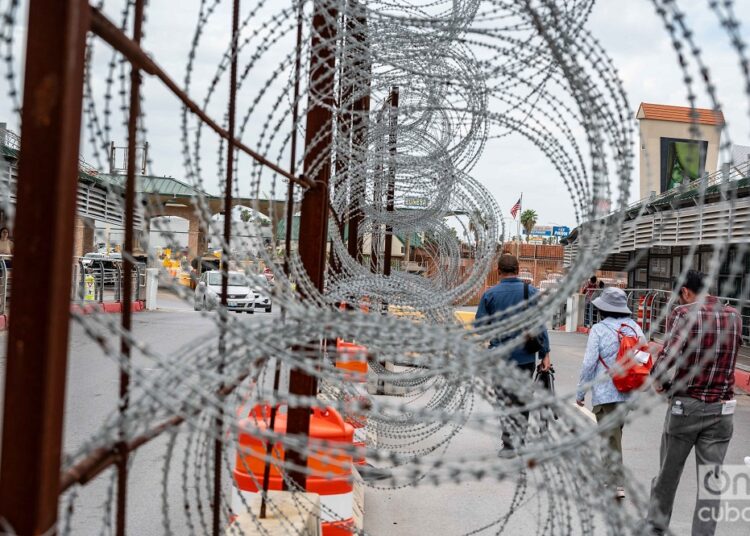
<point x="629" y="30"/>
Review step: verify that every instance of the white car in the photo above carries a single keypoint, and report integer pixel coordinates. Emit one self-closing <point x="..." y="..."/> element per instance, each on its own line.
<point x="262" y="300"/>
<point x="240" y="297"/>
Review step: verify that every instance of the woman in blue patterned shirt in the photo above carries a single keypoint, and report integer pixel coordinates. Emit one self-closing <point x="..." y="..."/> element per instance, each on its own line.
<point x="604" y="343"/>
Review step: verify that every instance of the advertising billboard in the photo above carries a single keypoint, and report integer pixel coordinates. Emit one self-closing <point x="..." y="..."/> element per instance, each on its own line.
<point x="681" y="160"/>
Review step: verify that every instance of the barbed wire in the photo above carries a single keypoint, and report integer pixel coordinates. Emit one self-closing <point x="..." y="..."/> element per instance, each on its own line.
<point x="467" y="72"/>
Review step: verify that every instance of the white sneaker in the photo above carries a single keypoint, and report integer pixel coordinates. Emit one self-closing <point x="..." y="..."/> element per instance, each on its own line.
<point x="620" y="493"/>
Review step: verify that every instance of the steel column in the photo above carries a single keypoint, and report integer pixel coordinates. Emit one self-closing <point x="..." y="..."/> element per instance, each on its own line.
<point x="46" y="203"/>
<point x="360" y="124"/>
<point x="344" y="123"/>
<point x="313" y="230"/>
<point x="391" y="187"/>
<point x="127" y="284"/>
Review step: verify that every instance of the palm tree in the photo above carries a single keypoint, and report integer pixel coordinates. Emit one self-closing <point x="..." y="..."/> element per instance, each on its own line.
<point x="528" y="221"/>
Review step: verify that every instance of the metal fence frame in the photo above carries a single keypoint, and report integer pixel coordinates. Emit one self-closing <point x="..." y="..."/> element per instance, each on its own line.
<point x="30" y="478"/>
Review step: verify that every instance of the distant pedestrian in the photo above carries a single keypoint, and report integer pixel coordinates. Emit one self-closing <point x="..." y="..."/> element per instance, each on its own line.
<point x="601" y="354"/>
<point x="588" y="290"/>
<point x="6" y="244"/>
<point x="508" y="293"/>
<point x="702" y="344"/>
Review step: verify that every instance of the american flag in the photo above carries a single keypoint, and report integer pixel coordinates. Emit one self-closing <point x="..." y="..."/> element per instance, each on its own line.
<point x="514" y="210"/>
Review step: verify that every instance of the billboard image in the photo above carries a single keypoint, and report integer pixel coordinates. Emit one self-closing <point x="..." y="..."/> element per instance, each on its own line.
<point x="681" y="160"/>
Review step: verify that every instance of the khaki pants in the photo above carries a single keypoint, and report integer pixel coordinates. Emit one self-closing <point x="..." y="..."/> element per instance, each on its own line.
<point x="701" y="425"/>
<point x="612" y="449"/>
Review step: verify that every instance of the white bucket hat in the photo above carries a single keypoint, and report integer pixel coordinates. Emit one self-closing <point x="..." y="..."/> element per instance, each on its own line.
<point x="612" y="300"/>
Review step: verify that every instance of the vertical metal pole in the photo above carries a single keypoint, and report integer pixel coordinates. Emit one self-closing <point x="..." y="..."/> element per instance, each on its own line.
<point x="377" y="191"/>
<point x="287" y="244"/>
<point x="218" y="445"/>
<point x="46" y="204"/>
<point x="127" y="283"/>
<point x="293" y="148"/>
<point x="360" y="124"/>
<point x="343" y="144"/>
<point x="391" y="187"/>
<point x="314" y="210"/>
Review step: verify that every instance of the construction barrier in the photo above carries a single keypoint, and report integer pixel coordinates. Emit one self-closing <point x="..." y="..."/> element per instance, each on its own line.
<point x="645" y="312"/>
<point x="329" y="462"/>
<point x="352" y="358"/>
<point x="641" y="310"/>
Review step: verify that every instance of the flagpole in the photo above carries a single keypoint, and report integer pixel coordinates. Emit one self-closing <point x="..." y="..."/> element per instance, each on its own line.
<point x="518" y="225"/>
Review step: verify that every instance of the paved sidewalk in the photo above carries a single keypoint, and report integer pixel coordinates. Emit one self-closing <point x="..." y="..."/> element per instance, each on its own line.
<point x="465" y="507"/>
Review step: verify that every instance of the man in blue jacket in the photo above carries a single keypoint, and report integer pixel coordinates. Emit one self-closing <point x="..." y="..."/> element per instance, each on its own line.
<point x="507" y="293"/>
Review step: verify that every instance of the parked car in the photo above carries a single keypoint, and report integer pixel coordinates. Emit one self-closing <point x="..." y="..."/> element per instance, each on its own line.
<point x="262" y="299"/>
<point x="240" y="297"/>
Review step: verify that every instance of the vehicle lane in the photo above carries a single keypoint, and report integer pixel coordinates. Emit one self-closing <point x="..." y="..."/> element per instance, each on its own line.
<point x="92" y="397"/>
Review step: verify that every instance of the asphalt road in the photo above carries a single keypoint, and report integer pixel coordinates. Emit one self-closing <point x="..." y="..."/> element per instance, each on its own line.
<point x="91" y="397"/>
<point x="467" y="506"/>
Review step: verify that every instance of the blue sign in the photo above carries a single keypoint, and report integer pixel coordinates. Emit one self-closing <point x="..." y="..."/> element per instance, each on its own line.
<point x="541" y="231"/>
<point x="560" y="231"/>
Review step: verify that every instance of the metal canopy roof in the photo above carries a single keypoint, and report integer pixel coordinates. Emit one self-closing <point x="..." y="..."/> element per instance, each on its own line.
<point x="166" y="186"/>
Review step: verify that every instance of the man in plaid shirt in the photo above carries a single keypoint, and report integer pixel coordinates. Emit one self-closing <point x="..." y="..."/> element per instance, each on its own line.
<point x="703" y="339"/>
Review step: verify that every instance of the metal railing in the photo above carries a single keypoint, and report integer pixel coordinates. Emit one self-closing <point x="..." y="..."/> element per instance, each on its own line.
<point x="651" y="309"/>
<point x="107" y="277"/>
<point x="13" y="141"/>
<point x="736" y="172"/>
<point x="5" y="282"/>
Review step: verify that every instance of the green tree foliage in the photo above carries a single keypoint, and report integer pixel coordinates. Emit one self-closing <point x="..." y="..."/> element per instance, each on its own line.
<point x="528" y="221"/>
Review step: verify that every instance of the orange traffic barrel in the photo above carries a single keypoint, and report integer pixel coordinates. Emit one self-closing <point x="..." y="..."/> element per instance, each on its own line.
<point x="353" y="358"/>
<point x="647" y="313"/>
<point x="329" y="463"/>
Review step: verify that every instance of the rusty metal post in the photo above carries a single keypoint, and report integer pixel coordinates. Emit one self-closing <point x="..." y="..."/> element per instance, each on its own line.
<point x="313" y="230"/>
<point x="46" y="202"/>
<point x="360" y="120"/>
<point x="391" y="187"/>
<point x="293" y="147"/>
<point x="228" y="185"/>
<point x="344" y="122"/>
<point x="127" y="299"/>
